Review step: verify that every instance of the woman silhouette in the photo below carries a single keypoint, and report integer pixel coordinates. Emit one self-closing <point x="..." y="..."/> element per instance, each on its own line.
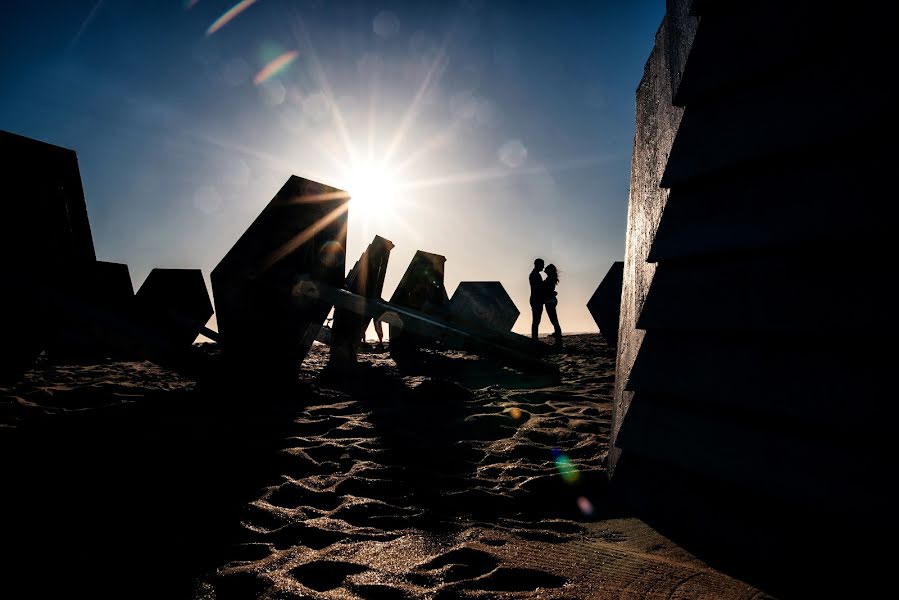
<point x="550" y="300"/>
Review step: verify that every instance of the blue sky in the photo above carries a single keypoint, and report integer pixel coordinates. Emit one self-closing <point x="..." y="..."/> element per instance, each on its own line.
<point x="503" y="130"/>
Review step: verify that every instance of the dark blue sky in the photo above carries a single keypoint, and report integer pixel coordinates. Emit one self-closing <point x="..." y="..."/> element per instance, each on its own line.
<point x="505" y="128"/>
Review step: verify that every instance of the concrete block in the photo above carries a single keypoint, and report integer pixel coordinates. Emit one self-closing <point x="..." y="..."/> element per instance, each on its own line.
<point x="301" y="235"/>
<point x="174" y="305"/>
<point x="605" y="303"/>
<point x="422" y="289"/>
<point x="44" y="233"/>
<point x="483" y="304"/>
<point x="94" y="312"/>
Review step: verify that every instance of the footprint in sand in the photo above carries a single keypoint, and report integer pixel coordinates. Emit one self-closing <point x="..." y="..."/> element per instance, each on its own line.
<point x="510" y="579"/>
<point x="300" y="534"/>
<point x="489" y="426"/>
<point x="240" y="584"/>
<point x="380" y="592"/>
<point x="324" y="575"/>
<point x="326" y="452"/>
<point x="457" y="565"/>
<point x="494" y="542"/>
<point x="374" y="513"/>
<point x="251" y="552"/>
<point x="291" y="495"/>
<point x="363" y="486"/>
<point x="308" y="427"/>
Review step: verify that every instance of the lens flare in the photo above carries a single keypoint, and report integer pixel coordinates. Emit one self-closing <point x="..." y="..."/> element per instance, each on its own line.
<point x="275" y="66"/>
<point x="229" y="15"/>
<point x="567" y="469"/>
<point x="331" y="253"/>
<point x="585" y="505"/>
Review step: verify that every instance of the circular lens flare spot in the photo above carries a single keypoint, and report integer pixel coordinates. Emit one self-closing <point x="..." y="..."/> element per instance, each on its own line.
<point x="330" y="254"/>
<point x="585" y="505"/>
<point x="566" y="468"/>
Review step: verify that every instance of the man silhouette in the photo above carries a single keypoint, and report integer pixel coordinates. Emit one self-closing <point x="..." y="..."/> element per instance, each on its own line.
<point x="536" y="296"/>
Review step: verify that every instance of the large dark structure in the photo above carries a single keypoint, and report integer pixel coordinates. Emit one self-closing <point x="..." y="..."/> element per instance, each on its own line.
<point x="173" y="304"/>
<point x="300" y="236"/>
<point x="44" y="235"/>
<point x="93" y="314"/>
<point x="44" y="215"/>
<point x="483" y="304"/>
<point x="605" y="303"/>
<point x="751" y="414"/>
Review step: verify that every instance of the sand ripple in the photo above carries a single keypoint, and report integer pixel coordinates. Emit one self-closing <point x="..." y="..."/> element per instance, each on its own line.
<point x="419" y="487"/>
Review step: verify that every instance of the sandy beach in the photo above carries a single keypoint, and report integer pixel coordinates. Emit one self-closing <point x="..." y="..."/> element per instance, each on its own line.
<point x="463" y="480"/>
<point x="691" y="195"/>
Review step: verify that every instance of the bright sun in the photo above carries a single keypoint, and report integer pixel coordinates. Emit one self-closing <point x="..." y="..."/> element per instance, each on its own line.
<point x="372" y="191"/>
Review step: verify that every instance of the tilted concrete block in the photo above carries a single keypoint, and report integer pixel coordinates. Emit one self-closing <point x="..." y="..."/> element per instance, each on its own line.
<point x="421" y="288"/>
<point x="605" y="304"/>
<point x="301" y="235"/>
<point x="174" y="304"/>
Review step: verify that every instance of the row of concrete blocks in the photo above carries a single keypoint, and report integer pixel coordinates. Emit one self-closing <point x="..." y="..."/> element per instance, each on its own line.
<point x="51" y="275"/>
<point x="57" y="297"/>
<point x="300" y="235"/>
<point x="276" y="286"/>
<point x="104" y="317"/>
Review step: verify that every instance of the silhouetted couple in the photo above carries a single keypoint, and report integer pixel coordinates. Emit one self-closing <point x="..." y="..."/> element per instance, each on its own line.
<point x="543" y="294"/>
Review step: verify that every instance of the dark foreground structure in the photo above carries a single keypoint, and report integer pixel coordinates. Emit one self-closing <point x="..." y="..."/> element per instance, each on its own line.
<point x="751" y="418"/>
<point x="44" y="233"/>
<point x="57" y="298"/>
<point x="174" y="305"/>
<point x="299" y="236"/>
<point x="483" y="302"/>
<point x="605" y="303"/>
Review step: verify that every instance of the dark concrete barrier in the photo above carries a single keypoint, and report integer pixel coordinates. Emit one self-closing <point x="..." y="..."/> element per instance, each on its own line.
<point x="265" y="327"/>
<point x="605" y="303"/>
